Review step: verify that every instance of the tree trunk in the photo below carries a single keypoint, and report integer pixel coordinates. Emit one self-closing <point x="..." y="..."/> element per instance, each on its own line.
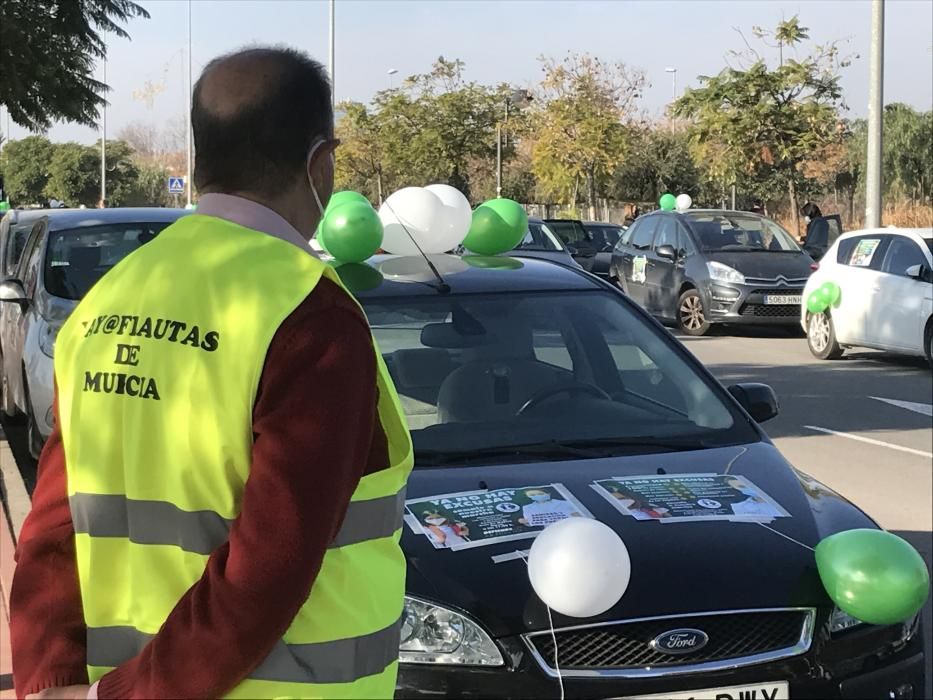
<point x="379" y="185"/>
<point x="792" y="193"/>
<point x="574" y="193"/>
<point x="591" y="195"/>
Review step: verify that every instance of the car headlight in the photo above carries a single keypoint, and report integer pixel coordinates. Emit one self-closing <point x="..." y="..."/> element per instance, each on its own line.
<point x="724" y="273"/>
<point x="841" y="621"/>
<point x="432" y="634"/>
<point x="47" y="337"/>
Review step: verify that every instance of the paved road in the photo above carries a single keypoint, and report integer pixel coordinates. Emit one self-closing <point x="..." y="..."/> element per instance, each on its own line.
<point x="879" y="455"/>
<point x="837" y="423"/>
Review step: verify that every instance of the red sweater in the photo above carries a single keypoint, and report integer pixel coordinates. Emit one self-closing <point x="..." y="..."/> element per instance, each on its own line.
<point x="253" y="585"/>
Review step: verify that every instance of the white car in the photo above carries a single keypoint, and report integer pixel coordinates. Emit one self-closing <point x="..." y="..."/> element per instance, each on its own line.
<point x="64" y="254"/>
<point x="886" y="280"/>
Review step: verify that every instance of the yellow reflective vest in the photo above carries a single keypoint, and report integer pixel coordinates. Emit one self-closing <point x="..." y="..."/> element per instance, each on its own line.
<point x="157" y="372"/>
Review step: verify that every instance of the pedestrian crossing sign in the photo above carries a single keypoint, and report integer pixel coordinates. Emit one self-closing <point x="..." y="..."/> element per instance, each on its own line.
<point x="176" y="184"/>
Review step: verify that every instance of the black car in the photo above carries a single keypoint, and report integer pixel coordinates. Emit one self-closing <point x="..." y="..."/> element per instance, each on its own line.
<point x="590" y="243"/>
<point x="545" y="375"/>
<point x="542" y="243"/>
<point x="709" y="266"/>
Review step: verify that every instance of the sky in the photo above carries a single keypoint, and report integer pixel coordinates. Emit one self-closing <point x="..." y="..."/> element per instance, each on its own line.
<point x="500" y="41"/>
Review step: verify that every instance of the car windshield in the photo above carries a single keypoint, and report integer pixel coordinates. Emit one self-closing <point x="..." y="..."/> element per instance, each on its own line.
<point x="605" y="236"/>
<point x="76" y="258"/>
<point x="561" y="371"/>
<point x="539" y="237"/>
<point x="737" y="232"/>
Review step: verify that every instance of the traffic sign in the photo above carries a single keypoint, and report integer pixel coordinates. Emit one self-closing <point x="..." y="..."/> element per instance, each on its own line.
<point x="176" y="184"/>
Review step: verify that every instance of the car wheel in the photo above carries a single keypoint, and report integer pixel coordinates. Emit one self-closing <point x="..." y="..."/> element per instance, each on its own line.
<point x="691" y="317"/>
<point x="33" y="436"/>
<point x="821" y="337"/>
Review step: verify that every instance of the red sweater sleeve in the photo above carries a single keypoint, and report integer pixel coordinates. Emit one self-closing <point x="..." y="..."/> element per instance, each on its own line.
<point x="47" y="631"/>
<point x="253" y="585"/>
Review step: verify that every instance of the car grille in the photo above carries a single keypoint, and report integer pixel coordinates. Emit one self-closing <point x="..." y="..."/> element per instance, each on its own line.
<point x="624" y="648"/>
<point x="778" y="281"/>
<point x="771" y="310"/>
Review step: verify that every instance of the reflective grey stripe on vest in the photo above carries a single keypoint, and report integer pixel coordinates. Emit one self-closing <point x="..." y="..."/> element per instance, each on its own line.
<point x="340" y="661"/>
<point x="202" y="531"/>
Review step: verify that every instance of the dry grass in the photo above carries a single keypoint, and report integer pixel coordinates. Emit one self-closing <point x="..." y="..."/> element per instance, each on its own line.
<point x="901" y="213"/>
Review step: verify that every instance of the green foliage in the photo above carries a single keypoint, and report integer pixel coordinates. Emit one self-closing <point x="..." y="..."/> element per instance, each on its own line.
<point x="658" y="161"/>
<point x="26" y="169"/>
<point x="74" y="175"/>
<point x="48" y="50"/>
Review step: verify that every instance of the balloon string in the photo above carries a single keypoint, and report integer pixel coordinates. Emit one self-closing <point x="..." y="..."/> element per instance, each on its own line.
<point x="787" y="537"/>
<point x="550" y="619"/>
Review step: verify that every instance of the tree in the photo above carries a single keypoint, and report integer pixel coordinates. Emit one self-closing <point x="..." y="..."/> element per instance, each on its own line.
<point x="150" y="189"/>
<point x="658" y="161"/>
<point x="361" y="155"/>
<point x="581" y="116"/>
<point x="48" y="50"/>
<point x="74" y="175"/>
<point x="760" y="123"/>
<point x="26" y="169"/>
<point x="908" y="151"/>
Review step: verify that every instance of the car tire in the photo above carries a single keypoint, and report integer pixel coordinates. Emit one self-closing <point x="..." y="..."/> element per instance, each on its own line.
<point x="691" y="316"/>
<point x="33" y="437"/>
<point x="821" y="337"/>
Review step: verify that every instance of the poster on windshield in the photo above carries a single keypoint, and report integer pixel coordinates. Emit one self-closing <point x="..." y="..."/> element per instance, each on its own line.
<point x="689" y="497"/>
<point x="478" y="518"/>
<point x="864" y="252"/>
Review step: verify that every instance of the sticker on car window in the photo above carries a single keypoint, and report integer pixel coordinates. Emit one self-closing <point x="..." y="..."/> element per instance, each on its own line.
<point x="639" y="269"/>
<point x="477" y="518"/>
<point x="693" y="497"/>
<point x="864" y="252"/>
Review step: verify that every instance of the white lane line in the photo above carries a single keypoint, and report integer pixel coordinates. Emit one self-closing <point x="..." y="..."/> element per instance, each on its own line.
<point x="924" y="409"/>
<point x="870" y="441"/>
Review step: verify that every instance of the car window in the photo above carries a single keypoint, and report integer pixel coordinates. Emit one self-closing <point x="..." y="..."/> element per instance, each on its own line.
<point x="29" y="265"/>
<point x="604" y="236"/>
<point x="738" y="232"/>
<point x="465" y="366"/>
<point x="667" y="233"/>
<point x="539" y="237"/>
<point x="902" y="253"/>
<point x="77" y="258"/>
<point x="641" y="239"/>
<point x="685" y="244"/>
<point x="16" y="244"/>
<point x="863" y="252"/>
<point x="571" y="233"/>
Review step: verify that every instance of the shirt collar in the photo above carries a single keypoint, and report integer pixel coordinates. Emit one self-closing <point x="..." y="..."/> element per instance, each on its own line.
<point x="252" y="215"/>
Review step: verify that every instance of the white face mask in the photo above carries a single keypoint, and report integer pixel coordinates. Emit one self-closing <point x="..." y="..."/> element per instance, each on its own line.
<point x="435" y="521"/>
<point x="806" y="219"/>
<point x="317" y="199"/>
<point x="541" y="498"/>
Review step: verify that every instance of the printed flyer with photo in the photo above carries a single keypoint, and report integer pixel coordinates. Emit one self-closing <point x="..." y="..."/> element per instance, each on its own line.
<point x="478" y="518"/>
<point x="693" y="497"/>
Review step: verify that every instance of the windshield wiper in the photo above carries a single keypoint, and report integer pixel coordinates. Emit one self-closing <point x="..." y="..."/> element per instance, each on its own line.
<point x="594" y="448"/>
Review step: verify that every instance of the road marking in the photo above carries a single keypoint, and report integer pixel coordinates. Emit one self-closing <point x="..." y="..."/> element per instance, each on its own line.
<point x="924" y="409"/>
<point x="870" y="441"/>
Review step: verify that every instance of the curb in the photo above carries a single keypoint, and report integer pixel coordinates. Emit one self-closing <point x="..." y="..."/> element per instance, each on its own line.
<point x="17" y="500"/>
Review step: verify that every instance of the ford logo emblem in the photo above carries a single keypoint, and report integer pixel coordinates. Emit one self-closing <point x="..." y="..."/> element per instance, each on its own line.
<point x="680" y="641"/>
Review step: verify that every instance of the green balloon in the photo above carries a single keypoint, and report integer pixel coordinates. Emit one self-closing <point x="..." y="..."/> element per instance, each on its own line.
<point x="359" y="277"/>
<point x="873" y="575"/>
<point x="815" y="303"/>
<point x="351" y="232"/>
<point x="835" y="294"/>
<point x="4" y="207"/>
<point x="498" y="225"/>
<point x="668" y="202"/>
<point x="344" y="197"/>
<point x="319" y="236"/>
<point x="492" y="262"/>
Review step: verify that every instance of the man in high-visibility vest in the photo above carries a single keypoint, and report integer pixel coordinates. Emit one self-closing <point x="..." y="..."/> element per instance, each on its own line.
<point x="218" y="511"/>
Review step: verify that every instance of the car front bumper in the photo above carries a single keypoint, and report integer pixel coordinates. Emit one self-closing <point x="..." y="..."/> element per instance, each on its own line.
<point x="727" y="302"/>
<point x="40" y="375"/>
<point x="841" y="674"/>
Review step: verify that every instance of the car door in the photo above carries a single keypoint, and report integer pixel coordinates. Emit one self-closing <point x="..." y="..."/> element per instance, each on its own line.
<point x="661" y="270"/>
<point x="16" y="320"/>
<point x="635" y="260"/>
<point x="857" y="272"/>
<point x="896" y="319"/>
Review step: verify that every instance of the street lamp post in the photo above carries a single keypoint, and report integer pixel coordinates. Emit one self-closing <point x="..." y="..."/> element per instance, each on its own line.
<point x="518" y="98"/>
<point x="673" y="72"/>
<point x="103" y="144"/>
<point x="391" y="73"/>
<point x="188" y="183"/>
<point x="875" y="117"/>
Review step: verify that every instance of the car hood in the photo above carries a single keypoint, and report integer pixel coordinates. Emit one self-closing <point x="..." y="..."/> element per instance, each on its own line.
<point x="676" y="567"/>
<point x="765" y="265"/>
<point x="54" y="309"/>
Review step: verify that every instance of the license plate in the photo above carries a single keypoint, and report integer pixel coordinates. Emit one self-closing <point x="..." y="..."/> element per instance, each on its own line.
<point x="787" y="299"/>
<point x="752" y="691"/>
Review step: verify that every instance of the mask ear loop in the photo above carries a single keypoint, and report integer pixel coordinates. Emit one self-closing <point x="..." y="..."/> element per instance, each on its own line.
<point x="317" y="199"/>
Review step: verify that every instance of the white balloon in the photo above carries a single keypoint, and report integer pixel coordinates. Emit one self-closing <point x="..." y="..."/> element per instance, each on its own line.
<point x="456" y="216"/>
<point x="579" y="567"/>
<point x="419" y="210"/>
<point x="684" y="202"/>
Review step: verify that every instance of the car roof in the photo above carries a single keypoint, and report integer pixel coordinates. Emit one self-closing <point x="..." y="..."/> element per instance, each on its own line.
<point x="601" y="223"/>
<point x="78" y="218"/>
<point x="531" y="275"/>
<point x="924" y="233"/>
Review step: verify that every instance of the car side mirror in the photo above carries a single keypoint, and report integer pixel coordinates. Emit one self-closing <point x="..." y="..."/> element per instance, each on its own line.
<point x="759" y="400"/>
<point x="915" y="271"/>
<point x="572" y="250"/>
<point x="667" y="251"/>
<point x="11" y="290"/>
